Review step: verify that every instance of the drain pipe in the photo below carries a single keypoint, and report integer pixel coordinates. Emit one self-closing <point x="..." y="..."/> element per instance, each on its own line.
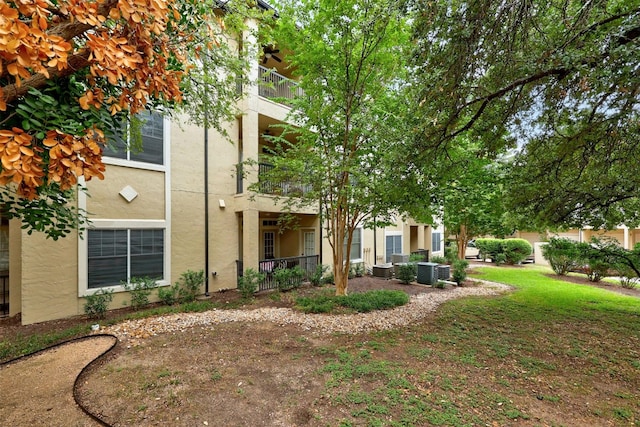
<point x="206" y="204"/>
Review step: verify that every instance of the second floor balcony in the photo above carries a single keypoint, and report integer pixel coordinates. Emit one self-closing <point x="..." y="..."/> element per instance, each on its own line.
<point x="276" y="86"/>
<point x="287" y="188"/>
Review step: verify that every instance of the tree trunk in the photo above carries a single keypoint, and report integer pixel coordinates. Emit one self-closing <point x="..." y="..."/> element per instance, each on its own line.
<point x="342" y="281"/>
<point x="462" y="240"/>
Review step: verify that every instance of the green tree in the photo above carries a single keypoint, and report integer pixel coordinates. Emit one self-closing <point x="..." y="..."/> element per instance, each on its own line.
<point x="349" y="56"/>
<point x="472" y="191"/>
<point x="558" y="76"/>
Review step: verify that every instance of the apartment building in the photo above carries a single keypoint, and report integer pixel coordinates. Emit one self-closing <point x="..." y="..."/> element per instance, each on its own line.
<point x="180" y="204"/>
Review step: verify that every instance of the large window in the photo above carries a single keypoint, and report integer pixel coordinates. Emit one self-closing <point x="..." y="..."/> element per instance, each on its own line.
<point x="393" y="245"/>
<point x="117" y="255"/>
<point x="151" y="139"/>
<point x="355" y="252"/>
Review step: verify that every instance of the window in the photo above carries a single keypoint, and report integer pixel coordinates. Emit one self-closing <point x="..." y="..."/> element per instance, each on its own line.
<point x="356" y="245"/>
<point x="117" y="255"/>
<point x="152" y="140"/>
<point x="436" y="242"/>
<point x="393" y="245"/>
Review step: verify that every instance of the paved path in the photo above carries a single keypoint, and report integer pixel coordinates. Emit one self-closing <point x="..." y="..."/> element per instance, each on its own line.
<point x="38" y="390"/>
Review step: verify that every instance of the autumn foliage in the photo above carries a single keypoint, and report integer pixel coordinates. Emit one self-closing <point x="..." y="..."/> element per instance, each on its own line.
<point x="105" y="56"/>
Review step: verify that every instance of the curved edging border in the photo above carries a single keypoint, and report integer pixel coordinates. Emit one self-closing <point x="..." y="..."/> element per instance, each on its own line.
<point x="85" y="369"/>
<point x="82" y="371"/>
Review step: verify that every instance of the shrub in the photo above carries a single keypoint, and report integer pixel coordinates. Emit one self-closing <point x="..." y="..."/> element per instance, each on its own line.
<point x="438" y="259"/>
<point x="329" y="279"/>
<point x="562" y="254"/>
<point x="451" y="252"/>
<point x="139" y="289"/>
<point x="288" y="278"/>
<point x="373" y="300"/>
<point x="362" y="302"/>
<point x="596" y="258"/>
<point x="97" y="303"/>
<point x="407" y="272"/>
<point x="489" y="248"/>
<point x="168" y="295"/>
<point x="316" y="277"/>
<point x="359" y="269"/>
<point x="318" y="304"/>
<point x="459" y="268"/>
<point x="248" y="283"/>
<point x="189" y="285"/>
<point x="417" y="258"/>
<point x="500" y="259"/>
<point x="516" y="250"/>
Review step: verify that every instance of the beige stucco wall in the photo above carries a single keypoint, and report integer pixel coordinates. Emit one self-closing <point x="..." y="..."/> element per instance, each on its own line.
<point x="49" y="271"/>
<point x="106" y="202"/>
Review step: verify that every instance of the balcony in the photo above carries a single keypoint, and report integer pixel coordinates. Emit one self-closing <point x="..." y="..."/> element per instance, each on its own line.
<point x="274" y="85"/>
<point x="282" y="188"/>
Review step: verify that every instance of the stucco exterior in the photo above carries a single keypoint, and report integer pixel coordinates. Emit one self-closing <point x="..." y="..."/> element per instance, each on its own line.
<point x="50" y="279"/>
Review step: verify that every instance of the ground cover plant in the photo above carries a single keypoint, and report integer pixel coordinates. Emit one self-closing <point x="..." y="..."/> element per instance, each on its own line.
<point x="549" y="353"/>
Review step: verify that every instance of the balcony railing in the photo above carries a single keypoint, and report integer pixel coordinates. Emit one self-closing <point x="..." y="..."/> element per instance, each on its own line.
<point x="306" y="263"/>
<point x="281" y="188"/>
<point x="274" y="85"/>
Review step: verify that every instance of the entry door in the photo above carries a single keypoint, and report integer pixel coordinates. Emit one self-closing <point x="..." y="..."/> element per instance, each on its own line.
<point x="309" y="246"/>
<point x="269" y="244"/>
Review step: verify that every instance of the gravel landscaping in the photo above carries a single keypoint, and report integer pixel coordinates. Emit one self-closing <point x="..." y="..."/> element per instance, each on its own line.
<point x="420" y="305"/>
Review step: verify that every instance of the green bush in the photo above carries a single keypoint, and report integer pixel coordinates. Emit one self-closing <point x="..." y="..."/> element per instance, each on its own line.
<point x="96" y="304"/>
<point x="459" y="270"/>
<point x="317" y="304"/>
<point x="562" y="253"/>
<point x="598" y="258"/>
<point x="374" y="300"/>
<point x="139" y="289"/>
<point x="168" y="295"/>
<point x="407" y="272"/>
<point x="362" y="302"/>
<point x="288" y="278"/>
<point x="316" y="277"/>
<point x="451" y="252"/>
<point x="417" y="258"/>
<point x="438" y="259"/>
<point x="189" y="285"/>
<point x="328" y="279"/>
<point x="489" y="248"/>
<point x="516" y="250"/>
<point x="249" y="282"/>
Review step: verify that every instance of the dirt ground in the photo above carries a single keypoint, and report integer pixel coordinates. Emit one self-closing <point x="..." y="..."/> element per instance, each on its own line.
<point x="235" y="374"/>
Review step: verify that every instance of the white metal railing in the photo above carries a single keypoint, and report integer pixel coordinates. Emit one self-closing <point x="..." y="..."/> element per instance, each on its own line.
<point x="274" y="85"/>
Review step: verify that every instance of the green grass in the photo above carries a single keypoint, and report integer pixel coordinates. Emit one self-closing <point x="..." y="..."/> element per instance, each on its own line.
<point x="545" y="295"/>
<point x="487" y="361"/>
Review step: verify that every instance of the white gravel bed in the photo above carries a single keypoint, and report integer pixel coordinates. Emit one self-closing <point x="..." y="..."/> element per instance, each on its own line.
<point x="418" y="307"/>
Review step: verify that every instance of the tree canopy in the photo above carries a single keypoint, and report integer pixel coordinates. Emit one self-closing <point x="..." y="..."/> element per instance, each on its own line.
<point x="559" y="78"/>
<point x="471" y="194"/>
<point x="349" y="57"/>
<point x="71" y="71"/>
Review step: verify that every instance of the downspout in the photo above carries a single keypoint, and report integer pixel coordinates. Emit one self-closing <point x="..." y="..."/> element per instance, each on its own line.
<point x="321" y="227"/>
<point x="206" y="203"/>
<point x="375" y="243"/>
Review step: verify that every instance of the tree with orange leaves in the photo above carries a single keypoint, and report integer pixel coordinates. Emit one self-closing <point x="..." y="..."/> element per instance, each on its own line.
<point x="70" y="72"/>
